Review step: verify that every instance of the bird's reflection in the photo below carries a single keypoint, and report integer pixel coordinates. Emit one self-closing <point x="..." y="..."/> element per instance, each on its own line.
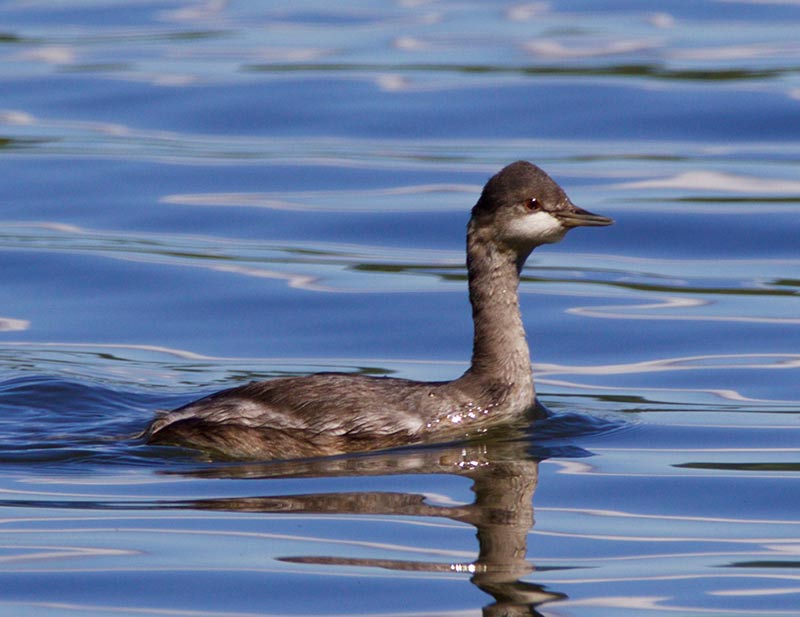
<point x="504" y="477"/>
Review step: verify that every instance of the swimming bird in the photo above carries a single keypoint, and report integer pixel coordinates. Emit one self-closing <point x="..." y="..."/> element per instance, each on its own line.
<point x="520" y="208"/>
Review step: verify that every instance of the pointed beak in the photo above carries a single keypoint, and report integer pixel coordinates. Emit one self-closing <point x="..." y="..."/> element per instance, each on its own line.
<point x="578" y="217"/>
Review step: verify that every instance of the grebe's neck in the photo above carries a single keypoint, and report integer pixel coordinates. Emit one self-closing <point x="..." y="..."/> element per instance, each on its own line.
<point x="500" y="352"/>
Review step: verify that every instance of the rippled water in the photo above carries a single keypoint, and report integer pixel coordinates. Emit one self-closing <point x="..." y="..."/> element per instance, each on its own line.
<point x="198" y="194"/>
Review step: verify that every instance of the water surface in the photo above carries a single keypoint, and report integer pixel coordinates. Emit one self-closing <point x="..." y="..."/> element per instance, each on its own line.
<point x="199" y="194"/>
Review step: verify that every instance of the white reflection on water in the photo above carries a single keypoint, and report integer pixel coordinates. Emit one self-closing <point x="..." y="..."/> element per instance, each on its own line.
<point x="755" y="592"/>
<point x="361" y="200"/>
<point x="527" y="11"/>
<point x="667" y="302"/>
<point x="14" y="117"/>
<point x="727" y="362"/>
<point x="736" y="52"/>
<point x="785" y="545"/>
<point x="718" y="182"/>
<point x="163" y="532"/>
<point x="35" y="552"/>
<point x="775" y="2"/>
<point x="658" y="604"/>
<point x="196" y="11"/>
<point x="63" y="608"/>
<point x="617" y="464"/>
<point x="7" y="324"/>
<point x="686" y="363"/>
<point x="50" y="54"/>
<point x="556" y="49"/>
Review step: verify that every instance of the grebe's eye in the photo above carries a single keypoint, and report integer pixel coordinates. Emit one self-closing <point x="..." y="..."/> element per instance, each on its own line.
<point x="533" y="205"/>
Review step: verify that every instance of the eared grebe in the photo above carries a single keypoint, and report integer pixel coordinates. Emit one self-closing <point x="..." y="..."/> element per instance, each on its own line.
<point x="520" y="208"/>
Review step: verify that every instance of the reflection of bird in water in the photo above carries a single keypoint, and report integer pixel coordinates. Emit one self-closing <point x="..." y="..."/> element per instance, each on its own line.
<point x="519" y="209"/>
<point x="504" y="478"/>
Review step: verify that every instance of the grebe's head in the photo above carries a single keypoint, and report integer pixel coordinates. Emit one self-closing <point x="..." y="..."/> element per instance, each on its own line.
<point x="525" y="207"/>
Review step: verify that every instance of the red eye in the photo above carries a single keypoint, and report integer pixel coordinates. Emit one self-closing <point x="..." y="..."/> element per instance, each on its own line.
<point x="533" y="205"/>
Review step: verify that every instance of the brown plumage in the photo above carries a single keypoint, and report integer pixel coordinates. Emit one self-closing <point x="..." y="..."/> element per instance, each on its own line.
<point x="520" y="208"/>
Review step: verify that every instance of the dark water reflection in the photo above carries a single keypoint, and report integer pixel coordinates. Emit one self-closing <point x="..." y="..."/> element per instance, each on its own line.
<point x="503" y="475"/>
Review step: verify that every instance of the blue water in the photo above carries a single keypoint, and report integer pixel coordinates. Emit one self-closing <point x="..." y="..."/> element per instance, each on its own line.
<point x="197" y="194"/>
